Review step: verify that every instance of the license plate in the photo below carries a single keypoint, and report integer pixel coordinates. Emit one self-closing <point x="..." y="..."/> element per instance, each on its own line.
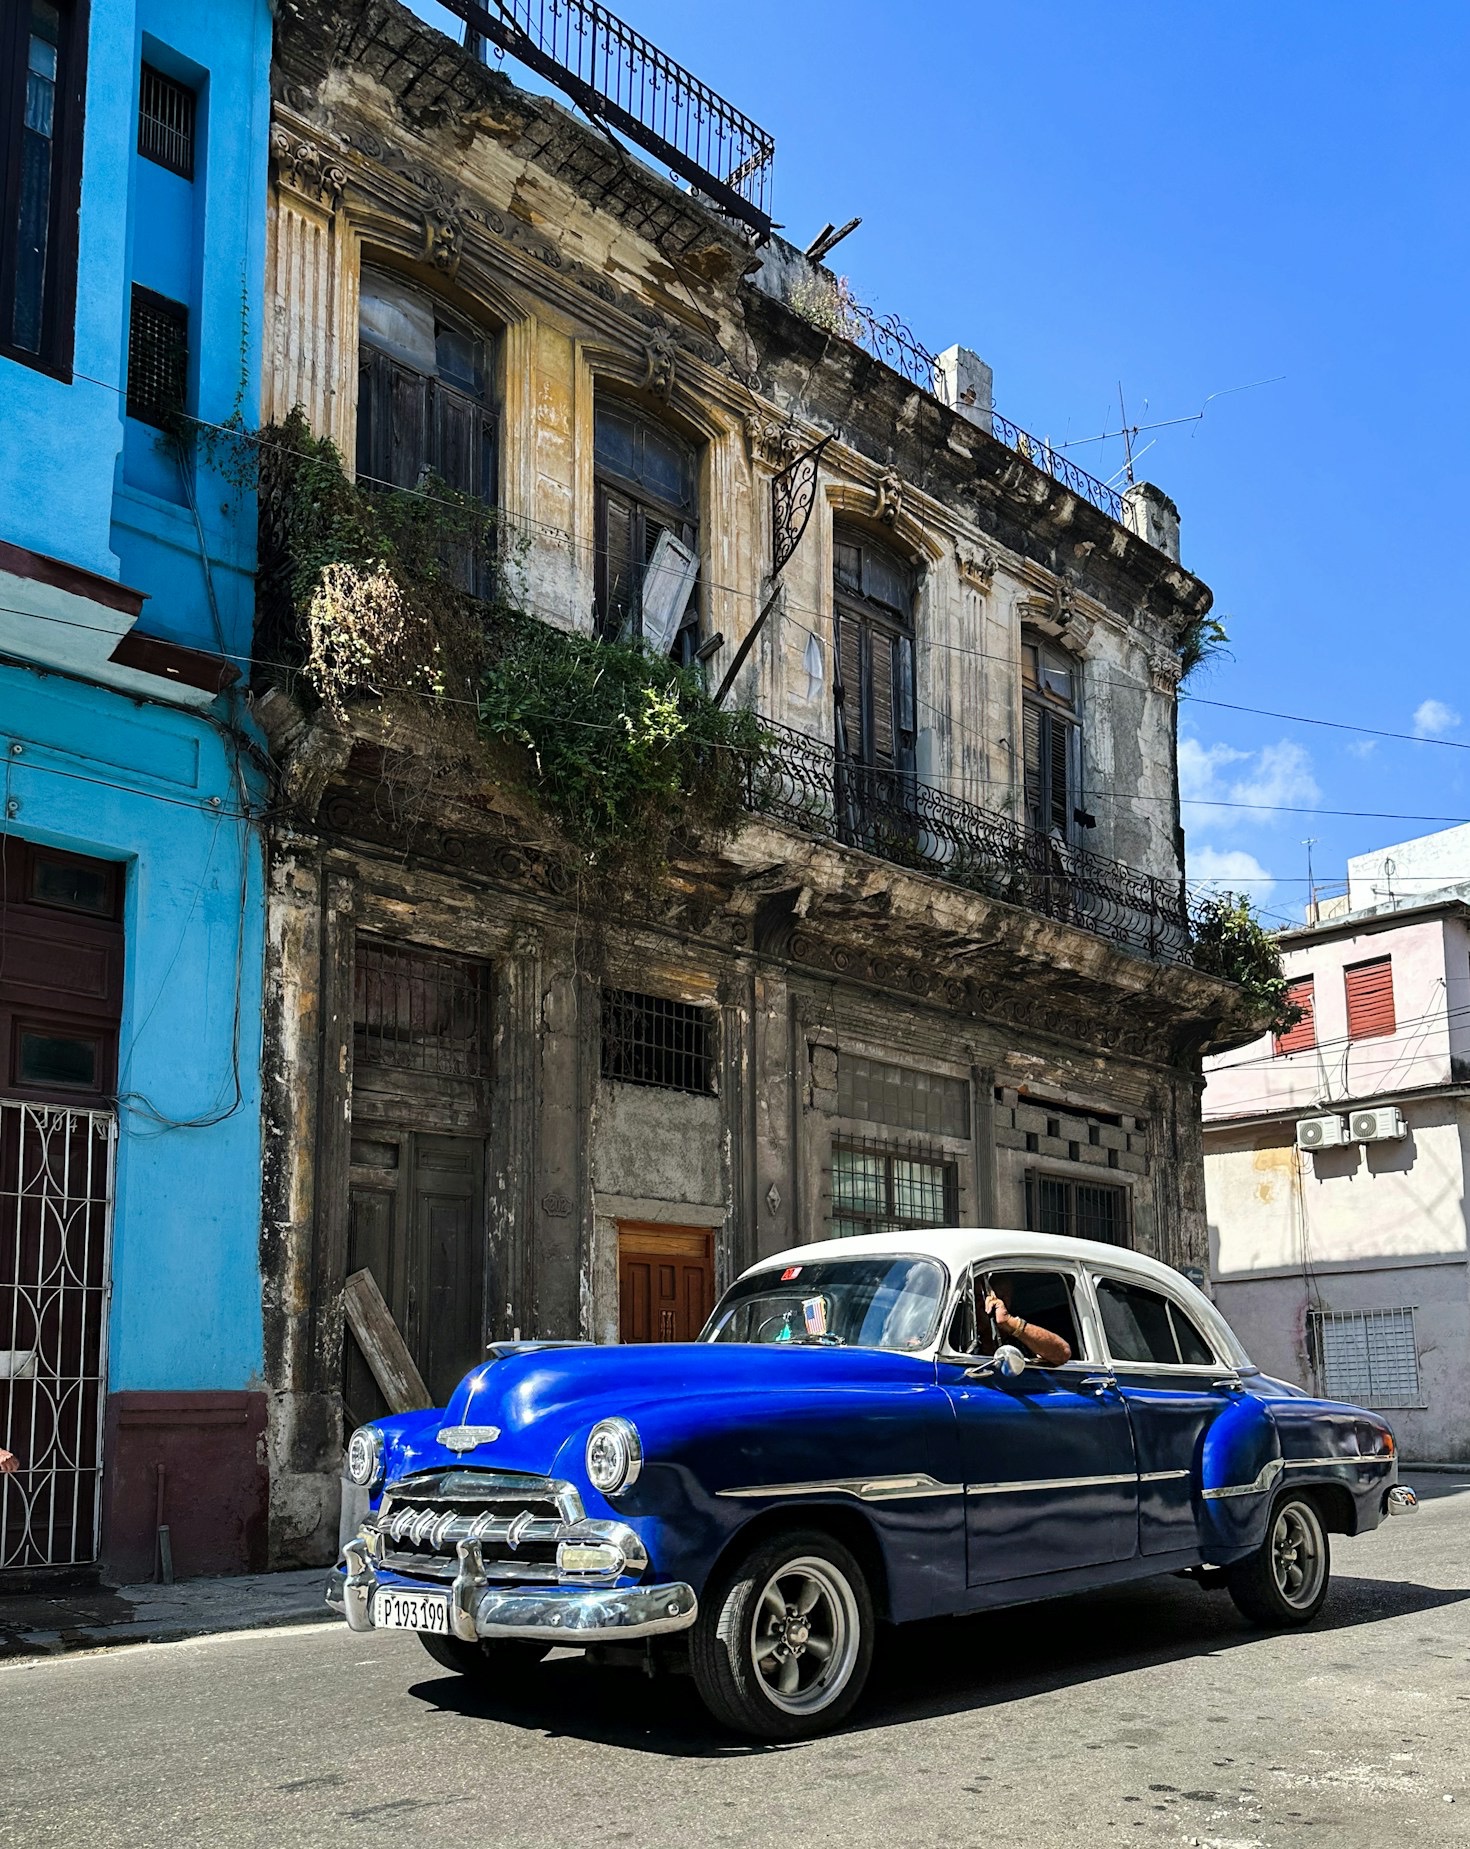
<point x="411" y="1611"/>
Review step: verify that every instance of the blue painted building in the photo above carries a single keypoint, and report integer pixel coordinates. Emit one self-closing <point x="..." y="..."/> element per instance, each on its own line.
<point x="133" y="155"/>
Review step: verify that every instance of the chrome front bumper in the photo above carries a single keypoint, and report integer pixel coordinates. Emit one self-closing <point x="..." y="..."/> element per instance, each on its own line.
<point x="542" y="1614"/>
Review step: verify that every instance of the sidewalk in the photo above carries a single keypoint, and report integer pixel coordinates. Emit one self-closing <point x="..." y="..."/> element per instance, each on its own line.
<point x="45" y="1624"/>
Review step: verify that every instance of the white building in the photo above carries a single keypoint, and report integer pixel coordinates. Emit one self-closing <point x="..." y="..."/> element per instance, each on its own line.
<point x="1337" y="1157"/>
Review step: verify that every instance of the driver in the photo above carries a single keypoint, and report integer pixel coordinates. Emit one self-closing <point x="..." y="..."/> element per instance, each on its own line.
<point x="1041" y="1344"/>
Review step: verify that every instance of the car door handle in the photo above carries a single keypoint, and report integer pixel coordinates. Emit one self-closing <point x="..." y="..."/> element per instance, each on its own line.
<point x="1229" y="1383"/>
<point x="1100" y="1383"/>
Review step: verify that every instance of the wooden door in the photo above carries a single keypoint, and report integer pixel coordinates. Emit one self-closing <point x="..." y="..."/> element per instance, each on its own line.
<point x="666" y="1281"/>
<point x="416" y="1220"/>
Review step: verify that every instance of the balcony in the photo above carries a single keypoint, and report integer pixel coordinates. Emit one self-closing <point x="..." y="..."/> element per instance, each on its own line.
<point x="806" y="784"/>
<point x="616" y="76"/>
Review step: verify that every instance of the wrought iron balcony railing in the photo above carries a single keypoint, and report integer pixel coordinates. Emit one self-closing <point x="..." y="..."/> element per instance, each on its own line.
<point x="618" y="77"/>
<point x="895" y="343"/>
<point x="807" y="784"/>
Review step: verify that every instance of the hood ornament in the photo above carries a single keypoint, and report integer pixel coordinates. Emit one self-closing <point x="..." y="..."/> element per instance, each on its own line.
<point x="467" y="1437"/>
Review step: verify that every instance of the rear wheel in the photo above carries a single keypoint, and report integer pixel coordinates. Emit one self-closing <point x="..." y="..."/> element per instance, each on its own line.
<point x="785" y="1652"/>
<point x="1285" y="1581"/>
<point x="485" y="1661"/>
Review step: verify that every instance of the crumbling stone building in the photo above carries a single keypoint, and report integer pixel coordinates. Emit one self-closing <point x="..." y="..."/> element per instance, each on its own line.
<point x="941" y="974"/>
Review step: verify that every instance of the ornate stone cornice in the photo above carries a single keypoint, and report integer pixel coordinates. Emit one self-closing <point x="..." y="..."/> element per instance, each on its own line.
<point x="305" y="167"/>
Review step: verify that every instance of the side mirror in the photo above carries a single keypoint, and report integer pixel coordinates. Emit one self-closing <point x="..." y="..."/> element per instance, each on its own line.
<point x="1010" y="1363"/>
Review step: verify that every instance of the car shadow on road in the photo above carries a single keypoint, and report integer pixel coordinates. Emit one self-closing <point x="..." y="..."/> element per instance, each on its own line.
<point x="943" y="1666"/>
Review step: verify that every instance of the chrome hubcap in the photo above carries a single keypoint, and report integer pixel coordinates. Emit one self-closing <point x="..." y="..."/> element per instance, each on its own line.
<point x="804" y="1636"/>
<point x="1296" y="1554"/>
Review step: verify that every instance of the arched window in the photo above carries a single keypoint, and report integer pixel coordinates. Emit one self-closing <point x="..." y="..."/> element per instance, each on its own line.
<point x="425" y="401"/>
<point x="1051" y="737"/>
<point x="872" y="599"/>
<point x="647" y="532"/>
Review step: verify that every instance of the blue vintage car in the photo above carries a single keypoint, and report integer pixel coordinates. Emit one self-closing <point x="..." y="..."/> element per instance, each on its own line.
<point x="870" y="1430"/>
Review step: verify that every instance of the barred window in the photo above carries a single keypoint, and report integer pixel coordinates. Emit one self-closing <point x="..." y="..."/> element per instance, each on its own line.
<point x="166" y="122"/>
<point x="650" y="1040"/>
<point x="419" y="1011"/>
<point x="1077" y="1209"/>
<point x="1369" y="1357"/>
<point x="158" y="357"/>
<point x="880" y="1189"/>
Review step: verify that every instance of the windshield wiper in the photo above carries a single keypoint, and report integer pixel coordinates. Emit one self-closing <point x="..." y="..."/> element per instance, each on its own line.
<point x="812" y="1341"/>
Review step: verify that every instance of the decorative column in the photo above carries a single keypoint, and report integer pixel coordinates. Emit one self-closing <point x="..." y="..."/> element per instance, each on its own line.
<point x="311" y="292"/>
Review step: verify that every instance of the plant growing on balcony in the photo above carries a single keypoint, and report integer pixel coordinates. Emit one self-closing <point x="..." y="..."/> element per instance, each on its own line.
<point x="362" y="594"/>
<point x="1231" y="941"/>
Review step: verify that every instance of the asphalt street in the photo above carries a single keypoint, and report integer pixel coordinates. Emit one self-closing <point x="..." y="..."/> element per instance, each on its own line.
<point x="1148" y="1716"/>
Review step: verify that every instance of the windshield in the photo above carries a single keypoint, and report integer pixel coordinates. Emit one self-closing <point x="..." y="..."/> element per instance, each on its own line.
<point x="836" y="1303"/>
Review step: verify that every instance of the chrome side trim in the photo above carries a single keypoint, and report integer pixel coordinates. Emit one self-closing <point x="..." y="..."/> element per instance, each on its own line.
<point x="1031" y="1483"/>
<point x="866" y="1489"/>
<point x="1161" y="1476"/>
<point x="1324" y="1463"/>
<point x="1268" y="1474"/>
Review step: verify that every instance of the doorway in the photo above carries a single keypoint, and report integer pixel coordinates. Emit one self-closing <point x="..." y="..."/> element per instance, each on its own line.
<point x="666" y="1281"/>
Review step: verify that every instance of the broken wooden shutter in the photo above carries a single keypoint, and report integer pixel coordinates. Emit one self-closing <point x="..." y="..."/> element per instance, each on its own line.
<point x="905" y="716"/>
<point x="456" y="450"/>
<point x="1370" y="1008"/>
<point x="1300" y="994"/>
<point x="1033" y="767"/>
<point x="408" y="426"/>
<point x="1059" y="774"/>
<point x="881" y="650"/>
<point x="850" y="680"/>
<point x="616" y="585"/>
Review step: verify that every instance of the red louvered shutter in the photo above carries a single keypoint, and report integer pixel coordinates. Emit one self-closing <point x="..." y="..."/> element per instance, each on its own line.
<point x="1301" y="994"/>
<point x="1370" y="999"/>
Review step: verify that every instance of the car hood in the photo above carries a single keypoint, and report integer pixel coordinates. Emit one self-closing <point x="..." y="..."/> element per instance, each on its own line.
<point x="573" y="1384"/>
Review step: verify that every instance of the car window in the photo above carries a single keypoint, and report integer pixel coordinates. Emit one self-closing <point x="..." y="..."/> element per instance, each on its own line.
<point x="1194" y="1350"/>
<point x="1142" y="1325"/>
<point x="1043" y="1298"/>
<point x="878" y="1302"/>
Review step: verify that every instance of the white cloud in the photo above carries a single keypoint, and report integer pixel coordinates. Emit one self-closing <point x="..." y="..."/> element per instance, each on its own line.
<point x="1278" y="776"/>
<point x="1432" y="719"/>
<point x="1362" y="747"/>
<point x="1199" y="767"/>
<point x="1230" y="870"/>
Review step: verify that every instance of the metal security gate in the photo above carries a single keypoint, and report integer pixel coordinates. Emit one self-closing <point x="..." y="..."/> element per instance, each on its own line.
<point x="56" y="1198"/>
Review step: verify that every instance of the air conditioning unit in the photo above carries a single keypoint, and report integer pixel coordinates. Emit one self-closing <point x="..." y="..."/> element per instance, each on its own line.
<point x="1321" y="1133"/>
<point x="1377" y="1126"/>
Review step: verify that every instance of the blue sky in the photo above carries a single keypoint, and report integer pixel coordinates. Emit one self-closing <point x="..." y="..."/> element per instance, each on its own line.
<point x="1187" y="198"/>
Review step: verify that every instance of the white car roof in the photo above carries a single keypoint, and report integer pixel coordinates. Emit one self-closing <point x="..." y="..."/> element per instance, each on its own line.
<point x="959" y="1247"/>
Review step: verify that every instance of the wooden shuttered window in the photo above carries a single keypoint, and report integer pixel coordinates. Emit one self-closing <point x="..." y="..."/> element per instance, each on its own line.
<point x="1370" y="1009"/>
<point x="1300" y="994"/>
<point x="1049" y="749"/>
<point x="407" y="423"/>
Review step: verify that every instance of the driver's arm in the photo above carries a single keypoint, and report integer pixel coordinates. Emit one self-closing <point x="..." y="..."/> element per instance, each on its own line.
<point x="1048" y="1348"/>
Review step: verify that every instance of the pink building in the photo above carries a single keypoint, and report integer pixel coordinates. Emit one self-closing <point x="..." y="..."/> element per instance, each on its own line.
<point x="1337" y="1157"/>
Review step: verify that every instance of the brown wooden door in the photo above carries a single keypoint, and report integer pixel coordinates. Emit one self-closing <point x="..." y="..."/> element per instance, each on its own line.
<point x="416" y="1220"/>
<point x="666" y="1281"/>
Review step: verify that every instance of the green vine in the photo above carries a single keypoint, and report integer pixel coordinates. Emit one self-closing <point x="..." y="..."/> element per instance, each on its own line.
<point x="1231" y="941"/>
<point x="363" y="595"/>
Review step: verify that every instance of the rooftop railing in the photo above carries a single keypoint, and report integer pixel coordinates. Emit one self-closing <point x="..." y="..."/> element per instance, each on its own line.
<point x="618" y="77"/>
<point x="808" y="785"/>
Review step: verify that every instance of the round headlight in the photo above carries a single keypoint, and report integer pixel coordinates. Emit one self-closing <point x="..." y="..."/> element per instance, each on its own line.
<point x="614" y="1455"/>
<point x="365" y="1456"/>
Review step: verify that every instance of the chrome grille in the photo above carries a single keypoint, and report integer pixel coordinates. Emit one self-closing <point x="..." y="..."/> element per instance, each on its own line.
<point x="518" y="1521"/>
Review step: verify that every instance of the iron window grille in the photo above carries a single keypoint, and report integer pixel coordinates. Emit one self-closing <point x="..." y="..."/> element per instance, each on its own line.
<point x="1367" y="1357"/>
<point x="420" y="1011"/>
<point x="887" y="1188"/>
<point x="158" y="357"/>
<point x="166" y="122"/>
<point x="1077" y="1209"/>
<point x="650" y="1040"/>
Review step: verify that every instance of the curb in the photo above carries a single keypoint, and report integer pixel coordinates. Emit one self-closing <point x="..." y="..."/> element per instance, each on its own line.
<point x="43" y="1644"/>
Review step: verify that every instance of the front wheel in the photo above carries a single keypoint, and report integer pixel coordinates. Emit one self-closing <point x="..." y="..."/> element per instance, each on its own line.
<point x="485" y="1661"/>
<point x="1285" y="1581"/>
<point x="786" y="1651"/>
